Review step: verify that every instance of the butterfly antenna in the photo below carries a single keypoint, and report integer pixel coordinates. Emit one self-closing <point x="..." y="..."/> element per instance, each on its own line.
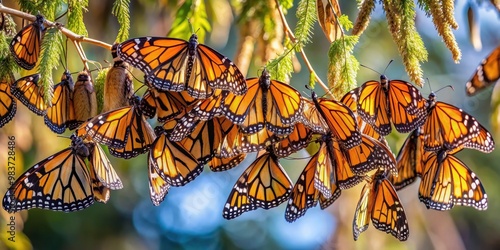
<point x="447" y="86"/>
<point x="364" y="66"/>
<point x="386" y="67"/>
<point x="63" y="136"/>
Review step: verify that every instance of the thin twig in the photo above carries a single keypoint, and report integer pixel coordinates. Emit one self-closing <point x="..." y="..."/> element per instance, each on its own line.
<point x="75" y="38"/>
<point x="290" y="34"/>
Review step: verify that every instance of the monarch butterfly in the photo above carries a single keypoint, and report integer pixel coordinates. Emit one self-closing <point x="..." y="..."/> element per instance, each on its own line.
<point x="447" y="181"/>
<point x="84" y="97"/>
<point x="339" y="119"/>
<point x="8" y="104"/>
<point x="60" y="182"/>
<point x="487" y="73"/>
<point x="172" y="64"/>
<point x="409" y="160"/>
<point x="236" y="142"/>
<point x="61" y="114"/>
<point x="174" y="163"/>
<point x="27" y="91"/>
<point x="124" y="130"/>
<point x="158" y="187"/>
<point x="263" y="184"/>
<point x="350" y="99"/>
<point x="203" y="110"/>
<point x="25" y="46"/>
<point x="380" y="203"/>
<point x="449" y="127"/>
<point x="219" y="164"/>
<point x="305" y="195"/>
<point x="398" y="101"/>
<point x="118" y="86"/>
<point x="267" y="103"/>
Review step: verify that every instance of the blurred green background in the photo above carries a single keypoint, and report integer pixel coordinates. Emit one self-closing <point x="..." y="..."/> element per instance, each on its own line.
<point x="191" y="216"/>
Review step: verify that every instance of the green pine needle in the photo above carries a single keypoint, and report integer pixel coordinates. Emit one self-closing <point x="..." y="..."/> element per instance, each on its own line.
<point x="121" y="11"/>
<point x="76" y="8"/>
<point x="281" y="67"/>
<point x="191" y="17"/>
<point x="306" y="15"/>
<point x="343" y="66"/>
<point x="49" y="59"/>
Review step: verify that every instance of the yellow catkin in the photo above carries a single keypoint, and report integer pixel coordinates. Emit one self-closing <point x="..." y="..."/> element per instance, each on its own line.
<point x="444" y="29"/>
<point x="363" y="19"/>
<point x="448" y="11"/>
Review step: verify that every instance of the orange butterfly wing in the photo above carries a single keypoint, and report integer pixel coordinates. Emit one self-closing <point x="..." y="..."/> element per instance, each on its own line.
<point x="25" y="46"/>
<point x="61" y="114"/>
<point x="8" y="104"/>
<point x="487" y="73"/>
<point x="409" y="160"/>
<point x="27" y="91"/>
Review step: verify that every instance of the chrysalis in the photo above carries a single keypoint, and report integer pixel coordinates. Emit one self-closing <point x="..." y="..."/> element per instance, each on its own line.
<point x="118" y="87"/>
<point x="84" y="97"/>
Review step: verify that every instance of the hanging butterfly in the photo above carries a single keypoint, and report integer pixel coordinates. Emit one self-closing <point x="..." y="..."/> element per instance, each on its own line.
<point x="60" y="182"/>
<point x="409" y="161"/>
<point x="84" y="97"/>
<point x="447" y="181"/>
<point x="380" y="203"/>
<point x="8" y="104"/>
<point x="304" y="194"/>
<point x="125" y="130"/>
<point x="27" y="91"/>
<point x="25" y="46"/>
<point x="172" y="64"/>
<point x="487" y="73"/>
<point x="396" y="101"/>
<point x="102" y="168"/>
<point x="337" y="117"/>
<point x="61" y="114"/>
<point x="118" y="86"/>
<point x="158" y="187"/>
<point x="263" y="184"/>
<point x="267" y="103"/>
<point x="449" y="127"/>
<point x="174" y="163"/>
<point x="236" y="142"/>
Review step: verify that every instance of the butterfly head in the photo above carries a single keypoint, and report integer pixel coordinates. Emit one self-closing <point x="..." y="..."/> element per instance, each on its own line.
<point x="384" y="81"/>
<point x="441" y="155"/>
<point x="265" y="79"/>
<point x="193" y="43"/>
<point x="66" y="77"/>
<point x="79" y="146"/>
<point x="159" y="130"/>
<point x="39" y="22"/>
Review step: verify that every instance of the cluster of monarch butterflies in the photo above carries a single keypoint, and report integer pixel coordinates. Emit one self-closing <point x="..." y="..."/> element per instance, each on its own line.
<point x="210" y="114"/>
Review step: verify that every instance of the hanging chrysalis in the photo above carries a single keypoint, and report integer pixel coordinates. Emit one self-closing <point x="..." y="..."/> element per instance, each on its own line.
<point x="118" y="86"/>
<point x="84" y="97"/>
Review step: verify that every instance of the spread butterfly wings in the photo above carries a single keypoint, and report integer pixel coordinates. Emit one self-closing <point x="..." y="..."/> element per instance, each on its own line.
<point x="396" y="101"/>
<point x="25" y="46"/>
<point x="269" y="103"/>
<point x="173" y="162"/>
<point x="263" y="184"/>
<point x="450" y="127"/>
<point x="27" y="91"/>
<point x="447" y="181"/>
<point x="8" y="105"/>
<point x="61" y="114"/>
<point x="409" y="160"/>
<point x="60" y="182"/>
<point x="380" y="203"/>
<point x="174" y="65"/>
<point x="487" y="73"/>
